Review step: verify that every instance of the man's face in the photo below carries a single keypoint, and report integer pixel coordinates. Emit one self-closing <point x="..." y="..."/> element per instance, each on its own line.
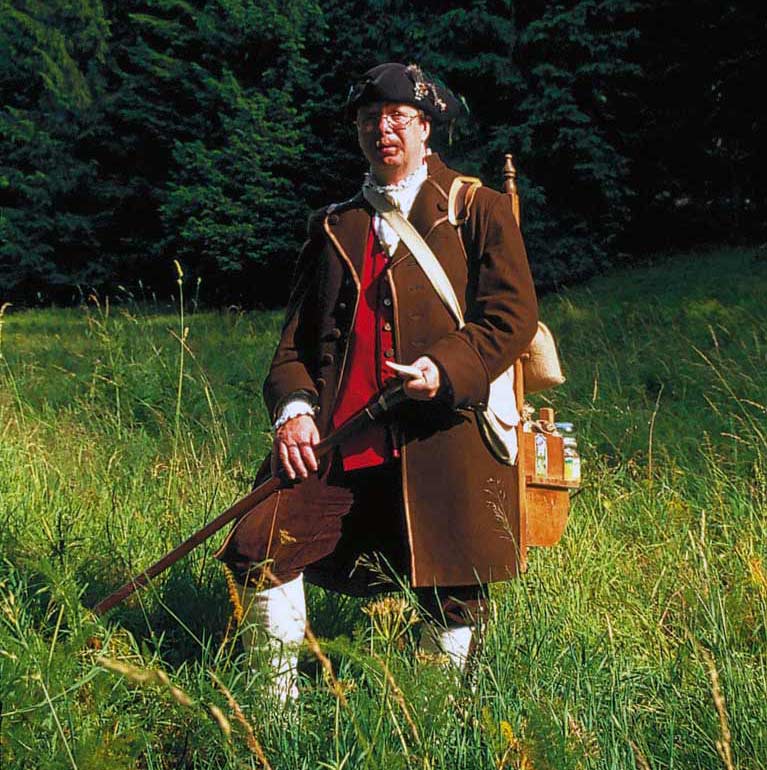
<point x="393" y="139"/>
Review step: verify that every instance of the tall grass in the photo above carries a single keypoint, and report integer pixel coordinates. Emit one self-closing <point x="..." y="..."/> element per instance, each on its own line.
<point x="639" y="641"/>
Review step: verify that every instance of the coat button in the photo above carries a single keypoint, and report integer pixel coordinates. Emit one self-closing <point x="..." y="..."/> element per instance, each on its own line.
<point x="387" y="301"/>
<point x="333" y="219"/>
<point x="336" y="333"/>
<point x="321" y="383"/>
<point x="387" y="327"/>
<point x="342" y="306"/>
<point x="327" y="358"/>
<point x="389" y="353"/>
<point x="442" y="206"/>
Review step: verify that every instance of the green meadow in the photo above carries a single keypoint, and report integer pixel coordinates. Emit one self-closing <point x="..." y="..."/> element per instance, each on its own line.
<point x="640" y="641"/>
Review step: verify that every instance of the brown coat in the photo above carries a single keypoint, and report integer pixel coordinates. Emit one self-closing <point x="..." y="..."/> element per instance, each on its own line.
<point x="458" y="500"/>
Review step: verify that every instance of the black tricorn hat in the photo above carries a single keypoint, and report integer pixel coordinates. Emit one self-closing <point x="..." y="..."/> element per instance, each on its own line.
<point x="404" y="84"/>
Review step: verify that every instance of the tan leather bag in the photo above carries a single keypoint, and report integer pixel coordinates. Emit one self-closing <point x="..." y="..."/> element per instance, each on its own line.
<point x="540" y="364"/>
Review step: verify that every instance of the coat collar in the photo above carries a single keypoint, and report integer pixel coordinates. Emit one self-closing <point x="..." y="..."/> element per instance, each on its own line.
<point x="347" y="224"/>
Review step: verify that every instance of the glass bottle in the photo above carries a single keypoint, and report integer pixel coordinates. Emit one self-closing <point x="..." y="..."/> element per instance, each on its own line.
<point x="541" y="455"/>
<point x="572" y="459"/>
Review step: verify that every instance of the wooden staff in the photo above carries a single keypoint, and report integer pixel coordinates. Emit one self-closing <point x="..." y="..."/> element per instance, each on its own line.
<point x="387" y="400"/>
<point x="510" y="188"/>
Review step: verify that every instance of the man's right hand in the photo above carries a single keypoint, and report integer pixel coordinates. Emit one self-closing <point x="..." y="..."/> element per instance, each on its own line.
<point x="293" y="448"/>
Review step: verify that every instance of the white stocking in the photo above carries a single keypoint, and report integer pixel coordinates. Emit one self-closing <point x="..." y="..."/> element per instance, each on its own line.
<point x="280" y="612"/>
<point x="455" y="642"/>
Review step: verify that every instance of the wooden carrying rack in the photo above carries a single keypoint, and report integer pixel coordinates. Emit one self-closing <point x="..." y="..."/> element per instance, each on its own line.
<point x="543" y="500"/>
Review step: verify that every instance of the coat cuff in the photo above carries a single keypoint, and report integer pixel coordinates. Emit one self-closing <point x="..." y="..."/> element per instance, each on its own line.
<point x="466" y="371"/>
<point x="295" y="403"/>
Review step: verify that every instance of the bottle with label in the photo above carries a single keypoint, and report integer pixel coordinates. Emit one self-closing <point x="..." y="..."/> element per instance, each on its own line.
<point x="572" y="459"/>
<point x="541" y="455"/>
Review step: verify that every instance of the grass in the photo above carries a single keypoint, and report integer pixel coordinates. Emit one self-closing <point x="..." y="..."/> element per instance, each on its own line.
<point x="640" y="641"/>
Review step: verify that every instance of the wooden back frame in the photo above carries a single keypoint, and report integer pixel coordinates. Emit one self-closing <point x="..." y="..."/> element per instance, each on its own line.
<point x="510" y="188"/>
<point x="543" y="501"/>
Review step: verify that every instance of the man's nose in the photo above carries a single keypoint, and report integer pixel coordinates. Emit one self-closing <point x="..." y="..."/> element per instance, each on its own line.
<point x="383" y="126"/>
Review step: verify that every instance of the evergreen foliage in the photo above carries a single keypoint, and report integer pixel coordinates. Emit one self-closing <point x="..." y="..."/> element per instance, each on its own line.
<point x="207" y="94"/>
<point x="55" y="199"/>
<point x="700" y="148"/>
<point x="137" y="132"/>
<point x="573" y="63"/>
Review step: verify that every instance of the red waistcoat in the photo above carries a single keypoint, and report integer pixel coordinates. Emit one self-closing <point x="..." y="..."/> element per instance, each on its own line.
<point x="371" y="344"/>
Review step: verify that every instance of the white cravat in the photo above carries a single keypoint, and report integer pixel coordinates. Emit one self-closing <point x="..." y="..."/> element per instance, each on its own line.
<point x="402" y="194"/>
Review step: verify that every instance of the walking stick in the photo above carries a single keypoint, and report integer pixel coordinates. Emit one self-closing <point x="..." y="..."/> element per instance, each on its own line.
<point x="387" y="400"/>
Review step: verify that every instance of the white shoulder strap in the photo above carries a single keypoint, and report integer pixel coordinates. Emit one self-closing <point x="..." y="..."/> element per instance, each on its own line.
<point x="420" y="251"/>
<point x="469" y="184"/>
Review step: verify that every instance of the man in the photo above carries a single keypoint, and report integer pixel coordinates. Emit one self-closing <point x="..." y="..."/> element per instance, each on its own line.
<point x="421" y="497"/>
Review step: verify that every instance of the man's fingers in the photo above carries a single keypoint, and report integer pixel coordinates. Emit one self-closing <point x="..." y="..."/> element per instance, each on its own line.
<point x="307" y="449"/>
<point x="295" y="458"/>
<point x="426" y="386"/>
<point x="294" y="453"/>
<point x="307" y="453"/>
<point x="285" y="460"/>
<point x="293" y="447"/>
<point x="419" y="390"/>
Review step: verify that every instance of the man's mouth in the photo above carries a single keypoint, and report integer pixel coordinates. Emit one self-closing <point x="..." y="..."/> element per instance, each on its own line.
<point x="386" y="149"/>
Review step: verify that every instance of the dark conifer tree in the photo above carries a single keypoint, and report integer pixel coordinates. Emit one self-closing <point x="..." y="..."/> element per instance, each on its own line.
<point x="700" y="149"/>
<point x="137" y="132"/>
<point x="54" y="202"/>
<point x="206" y="97"/>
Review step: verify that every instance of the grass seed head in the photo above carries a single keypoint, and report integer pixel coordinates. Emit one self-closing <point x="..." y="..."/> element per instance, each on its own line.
<point x="146" y="676"/>
<point x="234" y="591"/>
<point x="391" y="618"/>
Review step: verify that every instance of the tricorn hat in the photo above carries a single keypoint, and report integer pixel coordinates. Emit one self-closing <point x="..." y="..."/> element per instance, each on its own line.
<point x="404" y="84"/>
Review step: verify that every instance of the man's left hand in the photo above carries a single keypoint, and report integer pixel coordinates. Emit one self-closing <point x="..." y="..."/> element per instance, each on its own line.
<point x="426" y="386"/>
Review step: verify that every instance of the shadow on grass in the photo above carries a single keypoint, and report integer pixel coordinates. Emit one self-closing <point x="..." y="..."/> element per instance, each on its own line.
<point x="182" y="615"/>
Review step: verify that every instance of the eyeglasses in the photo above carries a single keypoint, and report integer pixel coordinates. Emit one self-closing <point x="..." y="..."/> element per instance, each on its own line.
<point x="394" y="120"/>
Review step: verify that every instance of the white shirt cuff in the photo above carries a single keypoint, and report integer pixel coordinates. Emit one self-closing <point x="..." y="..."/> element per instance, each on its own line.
<point x="293" y="408"/>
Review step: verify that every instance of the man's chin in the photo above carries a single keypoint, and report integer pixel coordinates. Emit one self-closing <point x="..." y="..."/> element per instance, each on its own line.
<point x="390" y="160"/>
<point x="384" y="168"/>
